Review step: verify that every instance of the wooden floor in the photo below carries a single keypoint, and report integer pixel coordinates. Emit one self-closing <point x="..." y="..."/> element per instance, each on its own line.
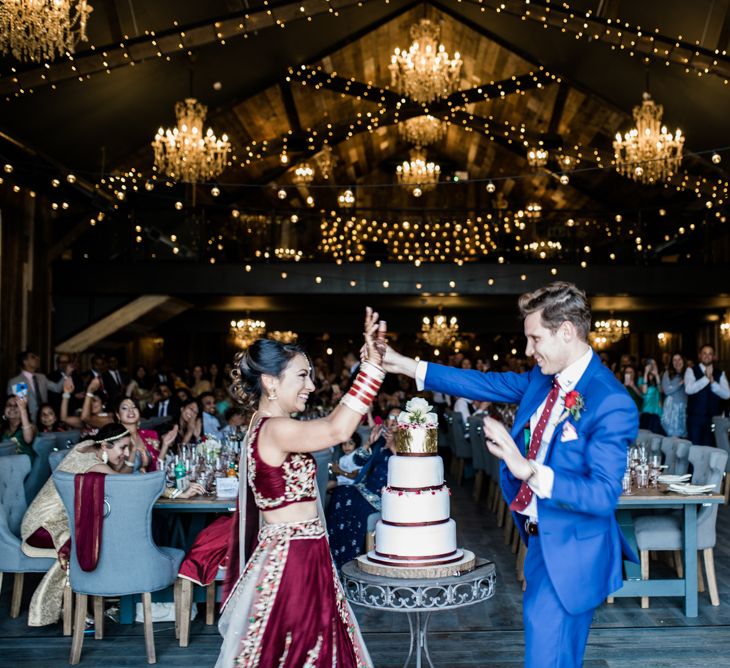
<point x="489" y="634"/>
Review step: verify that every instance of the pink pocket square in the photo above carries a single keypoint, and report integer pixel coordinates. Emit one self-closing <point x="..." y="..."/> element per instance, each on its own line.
<point x="569" y="433"/>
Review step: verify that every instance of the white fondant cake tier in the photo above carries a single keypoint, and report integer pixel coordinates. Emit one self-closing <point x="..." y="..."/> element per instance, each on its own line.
<point x="433" y="542"/>
<point x="414" y="508"/>
<point x="415" y="472"/>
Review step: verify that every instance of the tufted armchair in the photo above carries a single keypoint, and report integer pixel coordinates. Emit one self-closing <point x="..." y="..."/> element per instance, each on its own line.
<point x="43" y="445"/>
<point x="13" y="470"/>
<point x="676" y="454"/>
<point x="664" y="532"/>
<point x="7" y="448"/>
<point x="126" y="539"/>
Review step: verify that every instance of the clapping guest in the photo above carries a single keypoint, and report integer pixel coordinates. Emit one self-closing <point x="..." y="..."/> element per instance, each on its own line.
<point x="211" y="423"/>
<point x="48" y="421"/>
<point x="674" y="413"/>
<point x="146" y="442"/>
<point x="17" y="427"/>
<point x="706" y="386"/>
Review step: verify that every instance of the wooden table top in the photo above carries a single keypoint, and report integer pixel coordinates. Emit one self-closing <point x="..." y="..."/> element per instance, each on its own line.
<point x="661" y="496"/>
<point x="203" y="504"/>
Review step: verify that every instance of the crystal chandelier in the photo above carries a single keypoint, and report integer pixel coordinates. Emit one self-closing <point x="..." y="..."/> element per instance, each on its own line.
<point x="606" y="332"/>
<point x="303" y="174"/>
<point x="537" y="156"/>
<point x="440" y="332"/>
<point x="246" y="331"/>
<point x="42" y="29"/>
<point x="422" y="130"/>
<point x="648" y="153"/>
<point x="326" y="162"/>
<point x="425" y="72"/>
<point x="284" y="336"/>
<point x="187" y="154"/>
<point x="347" y="199"/>
<point x="416" y="174"/>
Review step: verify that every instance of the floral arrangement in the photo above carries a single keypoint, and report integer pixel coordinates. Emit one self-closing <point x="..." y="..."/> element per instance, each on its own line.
<point x="417" y="414"/>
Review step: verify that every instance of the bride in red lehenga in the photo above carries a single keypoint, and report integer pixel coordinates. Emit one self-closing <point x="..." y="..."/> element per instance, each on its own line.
<point x="287" y="608"/>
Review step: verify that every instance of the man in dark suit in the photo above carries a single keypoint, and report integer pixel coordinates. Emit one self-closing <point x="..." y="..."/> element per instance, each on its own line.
<point x="115" y="381"/>
<point x="706" y="386"/>
<point x="562" y="467"/>
<point x="164" y="403"/>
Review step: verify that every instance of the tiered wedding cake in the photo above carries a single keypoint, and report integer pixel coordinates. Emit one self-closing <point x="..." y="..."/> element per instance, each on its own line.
<point x="416" y="530"/>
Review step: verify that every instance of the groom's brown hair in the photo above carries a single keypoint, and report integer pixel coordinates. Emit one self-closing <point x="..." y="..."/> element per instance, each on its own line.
<point x="559" y="302"/>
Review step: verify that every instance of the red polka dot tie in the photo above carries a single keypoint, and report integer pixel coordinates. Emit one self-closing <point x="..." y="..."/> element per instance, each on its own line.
<point x="524" y="496"/>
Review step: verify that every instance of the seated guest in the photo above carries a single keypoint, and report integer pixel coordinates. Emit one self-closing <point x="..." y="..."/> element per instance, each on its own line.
<point x="17" y="427"/>
<point x="183" y="395"/>
<point x="190" y="425"/>
<point x="45" y="528"/>
<point x="114" y="379"/>
<point x="162" y="403"/>
<point x="146" y="442"/>
<point x="93" y="412"/>
<point x="222" y="401"/>
<point x="235" y="419"/>
<point x="351" y="505"/>
<point x="211" y="423"/>
<point x="349" y="464"/>
<point x="139" y="386"/>
<point x="48" y="421"/>
<point x="199" y="383"/>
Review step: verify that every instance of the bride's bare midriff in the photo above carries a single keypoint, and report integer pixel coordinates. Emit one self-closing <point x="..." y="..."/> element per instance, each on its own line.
<point x="296" y="512"/>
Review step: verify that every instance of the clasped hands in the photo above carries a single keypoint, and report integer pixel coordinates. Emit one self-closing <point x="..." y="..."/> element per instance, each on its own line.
<point x="502" y="445"/>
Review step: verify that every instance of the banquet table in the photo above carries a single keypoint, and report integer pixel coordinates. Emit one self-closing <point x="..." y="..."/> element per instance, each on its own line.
<point x="646" y="499"/>
<point x="199" y="509"/>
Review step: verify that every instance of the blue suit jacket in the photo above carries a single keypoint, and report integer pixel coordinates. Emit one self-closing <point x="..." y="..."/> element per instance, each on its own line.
<point x="580" y="537"/>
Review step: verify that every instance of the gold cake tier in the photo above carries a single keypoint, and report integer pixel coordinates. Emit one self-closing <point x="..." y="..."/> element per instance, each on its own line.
<point x="416" y="441"/>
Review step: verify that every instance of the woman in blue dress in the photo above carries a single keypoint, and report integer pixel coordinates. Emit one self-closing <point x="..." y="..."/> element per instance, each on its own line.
<point x="674" y="415"/>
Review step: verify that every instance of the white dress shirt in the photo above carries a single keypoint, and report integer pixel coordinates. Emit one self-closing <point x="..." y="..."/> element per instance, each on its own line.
<point x="693" y="386"/>
<point x="542" y="482"/>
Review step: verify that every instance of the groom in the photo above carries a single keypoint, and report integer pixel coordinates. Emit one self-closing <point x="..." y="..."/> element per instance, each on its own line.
<point x="561" y="468"/>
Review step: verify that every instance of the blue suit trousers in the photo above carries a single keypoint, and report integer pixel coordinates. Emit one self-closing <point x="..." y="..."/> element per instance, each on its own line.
<point x="553" y="637"/>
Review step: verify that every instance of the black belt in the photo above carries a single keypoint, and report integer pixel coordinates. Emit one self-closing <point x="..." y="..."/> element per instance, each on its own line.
<point x="531" y="528"/>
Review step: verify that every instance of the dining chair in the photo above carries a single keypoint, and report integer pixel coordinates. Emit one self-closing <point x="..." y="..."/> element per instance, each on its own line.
<point x="676" y="454"/>
<point x="664" y="532"/>
<point x="7" y="448"/>
<point x="40" y="470"/>
<point x="460" y="448"/>
<point x="721" y="428"/>
<point x="13" y="471"/>
<point x="126" y="539"/>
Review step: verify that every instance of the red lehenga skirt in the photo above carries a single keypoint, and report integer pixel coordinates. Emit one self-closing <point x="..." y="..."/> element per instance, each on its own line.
<point x="288" y="609"/>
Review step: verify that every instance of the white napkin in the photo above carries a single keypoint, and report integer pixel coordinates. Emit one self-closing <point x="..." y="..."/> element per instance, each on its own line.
<point x="690" y="490"/>
<point x="669" y="479"/>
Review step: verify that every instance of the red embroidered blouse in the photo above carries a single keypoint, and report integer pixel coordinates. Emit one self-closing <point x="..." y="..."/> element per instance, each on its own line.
<point x="279" y="486"/>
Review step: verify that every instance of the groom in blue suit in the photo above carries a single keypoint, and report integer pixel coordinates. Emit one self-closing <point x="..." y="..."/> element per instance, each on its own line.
<point x="561" y="467"/>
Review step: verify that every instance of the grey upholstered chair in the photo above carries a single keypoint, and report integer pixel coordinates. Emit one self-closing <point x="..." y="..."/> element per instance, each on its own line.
<point x="664" y="532"/>
<point x="126" y="539"/>
<point x="479" y="454"/>
<point x="460" y="448"/>
<point x="40" y="471"/>
<point x="643" y="437"/>
<point x="7" y="448"/>
<point x="13" y="470"/>
<point x="721" y="427"/>
<point x="56" y="457"/>
<point x="676" y="454"/>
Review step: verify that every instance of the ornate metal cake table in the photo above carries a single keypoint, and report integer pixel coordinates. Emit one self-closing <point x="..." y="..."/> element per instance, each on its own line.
<point x="419" y="598"/>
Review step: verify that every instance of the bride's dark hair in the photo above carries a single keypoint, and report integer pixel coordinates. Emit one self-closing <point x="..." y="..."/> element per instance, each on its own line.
<point x="265" y="356"/>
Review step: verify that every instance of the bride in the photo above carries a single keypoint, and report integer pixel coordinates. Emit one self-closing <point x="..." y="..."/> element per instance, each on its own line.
<point x="287" y="608"/>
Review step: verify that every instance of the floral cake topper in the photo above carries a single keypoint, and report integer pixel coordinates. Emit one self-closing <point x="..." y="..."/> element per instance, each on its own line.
<point x="418" y="412"/>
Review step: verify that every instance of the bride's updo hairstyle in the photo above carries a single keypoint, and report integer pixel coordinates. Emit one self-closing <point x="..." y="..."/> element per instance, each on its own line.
<point x="265" y="356"/>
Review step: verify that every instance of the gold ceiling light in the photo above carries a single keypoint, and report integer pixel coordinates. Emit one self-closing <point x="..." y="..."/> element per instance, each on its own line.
<point x="417" y="174"/>
<point x="537" y="156"/>
<point x="606" y="332"/>
<point x="39" y="30"/>
<point x="440" y="331"/>
<point x="422" y="130"/>
<point x="286" y="336"/>
<point x="346" y="199"/>
<point x="648" y="153"/>
<point x="303" y="174"/>
<point x="246" y="331"/>
<point x="543" y="249"/>
<point x="425" y="72"/>
<point x="725" y="326"/>
<point x="186" y="153"/>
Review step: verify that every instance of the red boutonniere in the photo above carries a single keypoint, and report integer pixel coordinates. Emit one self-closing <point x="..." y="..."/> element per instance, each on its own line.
<point x="574" y="405"/>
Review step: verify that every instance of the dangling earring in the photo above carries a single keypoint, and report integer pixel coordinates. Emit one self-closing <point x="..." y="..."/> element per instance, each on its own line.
<point x="272" y="396"/>
<point x="104" y="457"/>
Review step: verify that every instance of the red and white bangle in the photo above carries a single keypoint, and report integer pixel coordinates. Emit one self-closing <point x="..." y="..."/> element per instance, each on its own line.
<point x="364" y="388"/>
